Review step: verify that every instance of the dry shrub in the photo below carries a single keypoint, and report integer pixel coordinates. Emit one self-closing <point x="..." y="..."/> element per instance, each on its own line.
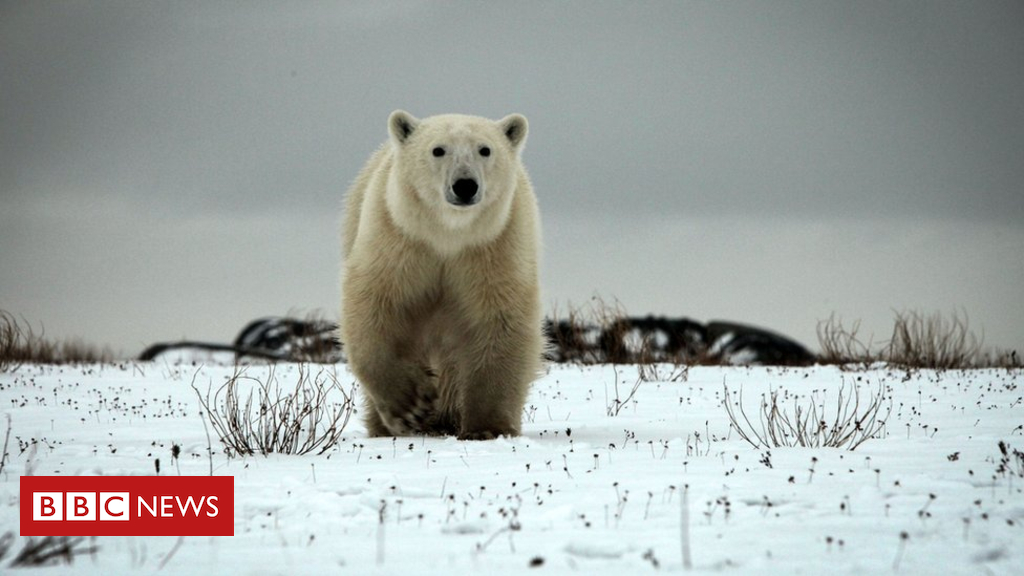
<point x="618" y="343"/>
<point x="663" y="372"/>
<point x="1008" y="359"/>
<point x="591" y="334"/>
<point x="1011" y="461"/>
<point x="19" y="344"/>
<point x="934" y="341"/>
<point x="841" y="345"/>
<point x="47" y="551"/>
<point x="11" y="342"/>
<point x="601" y="332"/>
<point x="847" y="424"/>
<point x="918" y="341"/>
<point x="253" y="416"/>
<point x="321" y="347"/>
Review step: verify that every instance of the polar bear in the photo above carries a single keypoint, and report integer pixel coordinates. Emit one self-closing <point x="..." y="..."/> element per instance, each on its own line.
<point x="441" y="315"/>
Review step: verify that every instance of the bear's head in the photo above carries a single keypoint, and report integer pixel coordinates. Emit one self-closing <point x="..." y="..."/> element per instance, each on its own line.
<point x="457" y="171"/>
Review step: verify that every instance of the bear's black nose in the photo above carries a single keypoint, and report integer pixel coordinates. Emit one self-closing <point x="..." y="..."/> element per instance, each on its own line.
<point x="465" y="189"/>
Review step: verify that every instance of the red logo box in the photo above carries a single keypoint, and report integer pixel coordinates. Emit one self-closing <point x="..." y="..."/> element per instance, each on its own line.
<point x="127" y="505"/>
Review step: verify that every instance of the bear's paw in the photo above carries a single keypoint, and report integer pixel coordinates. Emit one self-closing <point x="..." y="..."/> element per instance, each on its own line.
<point x="413" y="415"/>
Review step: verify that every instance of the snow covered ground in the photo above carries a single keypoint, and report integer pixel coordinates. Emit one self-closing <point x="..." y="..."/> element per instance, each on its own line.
<point x="580" y="491"/>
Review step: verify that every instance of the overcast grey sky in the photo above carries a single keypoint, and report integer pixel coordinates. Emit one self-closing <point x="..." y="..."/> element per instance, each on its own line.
<point x="176" y="169"/>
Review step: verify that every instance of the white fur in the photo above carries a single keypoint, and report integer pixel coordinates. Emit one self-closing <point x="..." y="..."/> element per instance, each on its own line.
<point x="441" y="314"/>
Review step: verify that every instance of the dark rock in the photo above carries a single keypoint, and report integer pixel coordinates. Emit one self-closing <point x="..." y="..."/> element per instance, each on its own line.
<point x="291" y="339"/>
<point x="629" y="340"/>
<point x="271" y="338"/>
<point x="654" y="339"/>
<point x="732" y="343"/>
<point x="626" y="340"/>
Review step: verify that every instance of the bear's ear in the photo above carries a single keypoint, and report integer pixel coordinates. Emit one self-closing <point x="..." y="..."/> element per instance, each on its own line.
<point x="514" y="127"/>
<point x="401" y="125"/>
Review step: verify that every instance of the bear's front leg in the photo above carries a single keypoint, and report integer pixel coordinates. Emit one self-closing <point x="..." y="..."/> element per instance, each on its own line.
<point x="494" y="391"/>
<point x="401" y="395"/>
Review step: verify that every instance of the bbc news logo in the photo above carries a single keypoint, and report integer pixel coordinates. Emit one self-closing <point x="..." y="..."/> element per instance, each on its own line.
<point x="127" y="505"/>
<point x="81" y="506"/>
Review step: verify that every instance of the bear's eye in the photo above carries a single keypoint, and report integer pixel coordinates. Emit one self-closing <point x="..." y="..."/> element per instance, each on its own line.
<point x="438" y="152"/>
<point x="485" y="151"/>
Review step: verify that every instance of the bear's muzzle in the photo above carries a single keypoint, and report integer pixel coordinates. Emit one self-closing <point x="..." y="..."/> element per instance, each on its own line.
<point x="464" y="192"/>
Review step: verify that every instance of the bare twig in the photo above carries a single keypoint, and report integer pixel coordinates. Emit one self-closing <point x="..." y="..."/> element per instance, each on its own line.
<point x="171" y="552"/>
<point x="617" y="403"/>
<point x="308" y="418"/>
<point x="684" y="527"/>
<point x="809" y="426"/>
<point x="7" y="438"/>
